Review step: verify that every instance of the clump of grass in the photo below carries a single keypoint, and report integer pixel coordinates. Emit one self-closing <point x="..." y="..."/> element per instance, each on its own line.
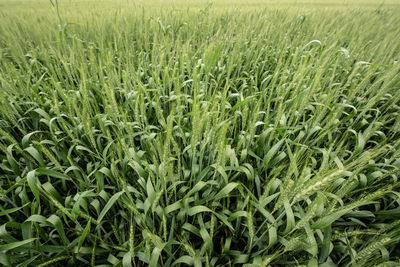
<point x="205" y="135"/>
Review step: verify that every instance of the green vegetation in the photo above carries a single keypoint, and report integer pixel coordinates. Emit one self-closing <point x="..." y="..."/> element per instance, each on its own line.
<point x="257" y="133"/>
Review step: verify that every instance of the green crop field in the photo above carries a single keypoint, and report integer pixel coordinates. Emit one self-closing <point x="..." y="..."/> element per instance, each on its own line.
<point x="200" y="133"/>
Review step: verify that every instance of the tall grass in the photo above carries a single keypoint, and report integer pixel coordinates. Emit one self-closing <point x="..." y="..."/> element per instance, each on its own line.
<point x="209" y="135"/>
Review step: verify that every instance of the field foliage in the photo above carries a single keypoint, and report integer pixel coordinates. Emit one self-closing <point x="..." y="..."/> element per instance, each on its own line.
<point x="256" y="133"/>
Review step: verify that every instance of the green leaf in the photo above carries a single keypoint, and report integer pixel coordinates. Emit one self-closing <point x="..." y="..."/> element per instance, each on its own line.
<point x="108" y="206"/>
<point x="35" y="154"/>
<point x="225" y="191"/>
<point x="198" y="209"/>
<point x="183" y="259"/>
<point x="52" y="173"/>
<point x="56" y="222"/>
<point x="329" y="219"/>
<point x="272" y="152"/>
<point x="34" y="185"/>
<point x="7" y="247"/>
<point x="83" y="235"/>
<point x="127" y="260"/>
<point x="325" y="245"/>
<point x="9" y="211"/>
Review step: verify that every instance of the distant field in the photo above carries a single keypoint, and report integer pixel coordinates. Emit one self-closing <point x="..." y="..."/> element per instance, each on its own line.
<point x="16" y="5"/>
<point x="200" y="133"/>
